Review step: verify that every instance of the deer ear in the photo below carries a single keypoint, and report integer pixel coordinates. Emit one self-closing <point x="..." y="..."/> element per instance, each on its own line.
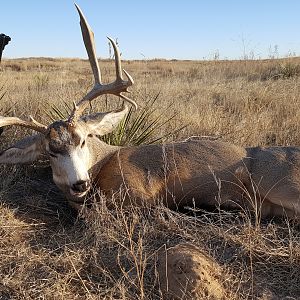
<point x="103" y="123"/>
<point x="24" y="151"/>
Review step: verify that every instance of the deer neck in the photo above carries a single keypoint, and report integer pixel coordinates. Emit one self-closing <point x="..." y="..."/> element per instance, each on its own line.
<point x="100" y="152"/>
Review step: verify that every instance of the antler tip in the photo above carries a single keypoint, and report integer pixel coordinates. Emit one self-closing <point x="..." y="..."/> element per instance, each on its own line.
<point x="115" y="47"/>
<point x="130" y="79"/>
<point x="81" y="15"/>
<point x="77" y="7"/>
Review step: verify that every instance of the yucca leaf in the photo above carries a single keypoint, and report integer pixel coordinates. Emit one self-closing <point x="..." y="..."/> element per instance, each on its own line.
<point x="58" y="113"/>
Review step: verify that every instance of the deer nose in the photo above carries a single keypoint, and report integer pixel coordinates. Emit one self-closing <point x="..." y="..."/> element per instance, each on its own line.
<point x="81" y="186"/>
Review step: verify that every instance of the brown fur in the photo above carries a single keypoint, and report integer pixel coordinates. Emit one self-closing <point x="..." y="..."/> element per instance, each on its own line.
<point x="275" y="175"/>
<point x="179" y="173"/>
<point x="203" y="172"/>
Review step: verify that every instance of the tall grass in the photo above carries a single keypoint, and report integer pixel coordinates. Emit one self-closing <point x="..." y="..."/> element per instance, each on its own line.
<point x="48" y="252"/>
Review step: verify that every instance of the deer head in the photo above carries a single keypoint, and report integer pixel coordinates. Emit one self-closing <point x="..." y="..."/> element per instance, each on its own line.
<point x="65" y="141"/>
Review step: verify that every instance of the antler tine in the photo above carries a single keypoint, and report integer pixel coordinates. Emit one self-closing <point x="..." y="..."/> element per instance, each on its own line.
<point x="117" y="59"/>
<point x="129" y="100"/>
<point x="89" y="42"/>
<point x="32" y="124"/>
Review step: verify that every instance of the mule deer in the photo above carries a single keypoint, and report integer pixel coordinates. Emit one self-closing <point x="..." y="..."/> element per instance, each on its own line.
<point x="194" y="171"/>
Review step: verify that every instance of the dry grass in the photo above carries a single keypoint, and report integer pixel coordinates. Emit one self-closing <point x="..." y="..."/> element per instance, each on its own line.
<point x="47" y="252"/>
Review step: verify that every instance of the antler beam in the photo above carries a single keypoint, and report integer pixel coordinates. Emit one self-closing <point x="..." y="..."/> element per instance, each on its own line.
<point x="32" y="124"/>
<point x="116" y="88"/>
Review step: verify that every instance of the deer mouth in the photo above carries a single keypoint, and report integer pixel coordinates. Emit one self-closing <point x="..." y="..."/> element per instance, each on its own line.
<point x="80" y="188"/>
<point x="78" y="194"/>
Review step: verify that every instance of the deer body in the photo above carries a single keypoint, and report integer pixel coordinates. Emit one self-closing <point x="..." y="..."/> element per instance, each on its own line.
<point x="178" y="173"/>
<point x="185" y="173"/>
<point x="204" y="172"/>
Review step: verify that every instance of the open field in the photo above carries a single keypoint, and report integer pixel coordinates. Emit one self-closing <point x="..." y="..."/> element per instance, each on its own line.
<point x="47" y="252"/>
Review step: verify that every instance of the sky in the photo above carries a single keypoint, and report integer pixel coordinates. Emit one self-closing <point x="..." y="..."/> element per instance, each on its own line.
<point x="170" y="29"/>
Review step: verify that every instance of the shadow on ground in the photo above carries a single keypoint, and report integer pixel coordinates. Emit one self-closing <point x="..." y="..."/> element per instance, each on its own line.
<point x="34" y="197"/>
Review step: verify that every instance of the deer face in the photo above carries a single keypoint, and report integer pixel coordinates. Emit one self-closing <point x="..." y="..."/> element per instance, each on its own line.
<point x="69" y="158"/>
<point x="67" y="145"/>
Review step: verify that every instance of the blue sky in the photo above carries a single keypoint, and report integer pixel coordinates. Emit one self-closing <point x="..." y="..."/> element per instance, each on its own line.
<point x="180" y="29"/>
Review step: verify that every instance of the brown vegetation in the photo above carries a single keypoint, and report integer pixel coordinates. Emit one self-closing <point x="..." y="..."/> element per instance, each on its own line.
<point x="48" y="252"/>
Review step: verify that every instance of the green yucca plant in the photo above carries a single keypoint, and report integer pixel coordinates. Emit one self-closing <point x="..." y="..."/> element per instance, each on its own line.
<point x="138" y="127"/>
<point x="58" y="113"/>
<point x="142" y="127"/>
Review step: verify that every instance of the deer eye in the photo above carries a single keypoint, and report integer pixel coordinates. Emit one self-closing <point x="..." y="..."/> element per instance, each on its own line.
<point x="83" y="143"/>
<point x="52" y="155"/>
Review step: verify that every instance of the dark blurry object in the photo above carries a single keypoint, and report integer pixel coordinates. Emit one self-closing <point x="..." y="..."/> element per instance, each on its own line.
<point x="4" y="40"/>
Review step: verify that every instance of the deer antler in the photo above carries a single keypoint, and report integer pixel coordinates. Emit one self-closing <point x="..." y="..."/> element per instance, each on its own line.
<point x="32" y="124"/>
<point x="115" y="88"/>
